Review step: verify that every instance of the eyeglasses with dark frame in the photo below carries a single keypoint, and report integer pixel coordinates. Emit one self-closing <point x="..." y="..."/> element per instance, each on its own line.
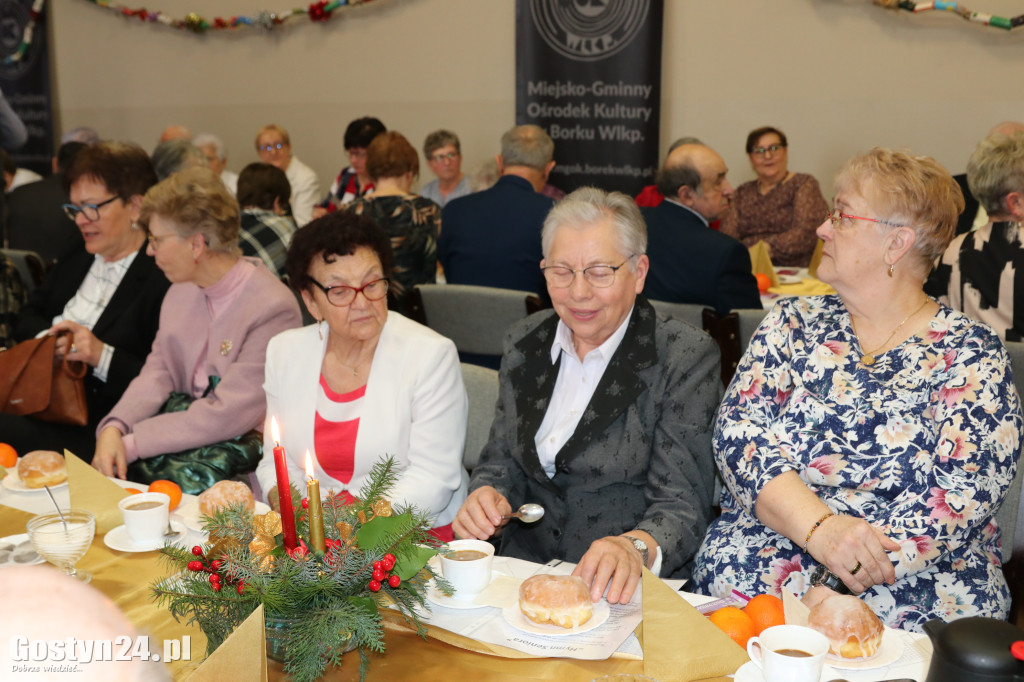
<point x="837" y="216"/>
<point x="773" y="148"/>
<point x="438" y="158"/>
<point x="90" y="211"/>
<point x="341" y="295"/>
<point x="599" y="276"/>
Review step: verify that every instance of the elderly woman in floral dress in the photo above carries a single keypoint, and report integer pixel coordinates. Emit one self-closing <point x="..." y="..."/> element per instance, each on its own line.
<point x="868" y="438"/>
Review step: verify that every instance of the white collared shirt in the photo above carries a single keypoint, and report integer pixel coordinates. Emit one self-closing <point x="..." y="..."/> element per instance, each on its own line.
<point x="91" y="299"/>
<point x="577" y="380"/>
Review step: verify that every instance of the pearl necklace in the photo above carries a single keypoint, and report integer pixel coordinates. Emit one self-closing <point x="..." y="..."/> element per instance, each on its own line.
<point x="868" y="358"/>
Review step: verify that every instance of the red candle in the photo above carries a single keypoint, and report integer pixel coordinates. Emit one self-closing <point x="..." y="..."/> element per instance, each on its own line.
<point x="284" y="489"/>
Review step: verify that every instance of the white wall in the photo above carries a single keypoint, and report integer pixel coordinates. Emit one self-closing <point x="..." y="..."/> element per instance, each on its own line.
<point x="837" y="76"/>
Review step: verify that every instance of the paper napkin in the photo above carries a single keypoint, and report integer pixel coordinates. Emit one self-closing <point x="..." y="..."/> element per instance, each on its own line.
<point x="681" y="645"/>
<point x="242" y="656"/>
<point x="812" y="269"/>
<point x="761" y="261"/>
<point x="796" y="612"/>
<point x="89" y="489"/>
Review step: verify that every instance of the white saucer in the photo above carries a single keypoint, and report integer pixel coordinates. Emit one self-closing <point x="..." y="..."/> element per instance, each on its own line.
<point x="888" y="652"/>
<point x="790" y="279"/>
<point x="17" y="550"/>
<point x="749" y="672"/>
<point x="514" y="617"/>
<point x="13" y="483"/>
<point x="438" y="597"/>
<point x="120" y="540"/>
<point x="193" y="518"/>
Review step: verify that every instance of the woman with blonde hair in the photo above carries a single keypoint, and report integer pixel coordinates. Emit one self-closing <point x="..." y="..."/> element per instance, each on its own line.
<point x="869" y="437"/>
<point x="187" y="415"/>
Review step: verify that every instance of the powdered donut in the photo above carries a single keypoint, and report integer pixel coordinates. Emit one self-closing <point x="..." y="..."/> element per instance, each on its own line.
<point x="42" y="467"/>
<point x="562" y="600"/>
<point x="853" y="630"/>
<point x="224" y="493"/>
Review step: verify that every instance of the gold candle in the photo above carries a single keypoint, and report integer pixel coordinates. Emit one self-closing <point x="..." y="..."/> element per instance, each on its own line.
<point x="316" y="510"/>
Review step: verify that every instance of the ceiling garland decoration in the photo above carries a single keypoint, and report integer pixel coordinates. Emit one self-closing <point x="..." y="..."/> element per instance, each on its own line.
<point x="955" y="8"/>
<point x="316" y="12"/>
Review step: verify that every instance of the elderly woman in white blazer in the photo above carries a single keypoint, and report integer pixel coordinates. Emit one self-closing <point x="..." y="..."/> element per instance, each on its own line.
<point x="363" y="382"/>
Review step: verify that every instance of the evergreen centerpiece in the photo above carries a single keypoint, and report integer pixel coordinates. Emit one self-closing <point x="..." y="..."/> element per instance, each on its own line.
<point x="372" y="558"/>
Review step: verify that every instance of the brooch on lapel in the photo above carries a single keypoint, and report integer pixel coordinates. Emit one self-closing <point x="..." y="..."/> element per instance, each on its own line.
<point x="226" y="346"/>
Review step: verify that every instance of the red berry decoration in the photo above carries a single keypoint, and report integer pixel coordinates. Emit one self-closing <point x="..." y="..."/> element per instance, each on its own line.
<point x="379" y="574"/>
<point x="195" y="565"/>
<point x="215" y="586"/>
<point x="378" y="566"/>
<point x="394" y="581"/>
<point x="305" y="503"/>
<point x="389" y="557"/>
<point x="374" y="586"/>
<point x="215" y="565"/>
<point x="389" y="562"/>
<point x="197" y="550"/>
<point x="241" y="586"/>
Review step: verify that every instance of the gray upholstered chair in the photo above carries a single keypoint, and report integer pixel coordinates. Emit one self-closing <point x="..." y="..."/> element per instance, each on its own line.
<point x="482" y="389"/>
<point x="475" y="318"/>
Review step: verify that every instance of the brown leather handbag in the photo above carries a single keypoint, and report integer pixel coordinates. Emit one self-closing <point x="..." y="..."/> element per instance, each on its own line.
<point x="34" y="383"/>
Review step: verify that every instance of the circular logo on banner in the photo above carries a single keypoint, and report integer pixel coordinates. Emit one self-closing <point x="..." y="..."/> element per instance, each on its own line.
<point x="588" y="30"/>
<point x="13" y="19"/>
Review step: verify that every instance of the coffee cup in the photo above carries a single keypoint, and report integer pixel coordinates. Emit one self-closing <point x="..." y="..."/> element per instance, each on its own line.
<point x="467" y="566"/>
<point x="789" y="653"/>
<point x="145" y="516"/>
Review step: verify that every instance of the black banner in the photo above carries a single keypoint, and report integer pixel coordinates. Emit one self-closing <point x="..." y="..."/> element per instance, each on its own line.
<point x="589" y="73"/>
<point x="26" y="83"/>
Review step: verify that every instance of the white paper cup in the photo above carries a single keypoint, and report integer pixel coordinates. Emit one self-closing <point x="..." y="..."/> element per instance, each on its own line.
<point x="469" y="578"/>
<point x="779" y="667"/>
<point x="145" y="526"/>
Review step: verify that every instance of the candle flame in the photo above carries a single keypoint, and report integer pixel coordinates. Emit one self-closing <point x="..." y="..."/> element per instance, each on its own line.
<point x="274" y="432"/>
<point x="309" y="466"/>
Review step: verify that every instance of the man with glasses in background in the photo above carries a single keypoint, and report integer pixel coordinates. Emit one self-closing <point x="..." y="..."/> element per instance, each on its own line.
<point x="690" y="262"/>
<point x="604" y="414"/>
<point x="274" y="147"/>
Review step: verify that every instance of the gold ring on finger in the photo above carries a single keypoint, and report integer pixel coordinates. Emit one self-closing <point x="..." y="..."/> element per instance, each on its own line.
<point x="853" y="571"/>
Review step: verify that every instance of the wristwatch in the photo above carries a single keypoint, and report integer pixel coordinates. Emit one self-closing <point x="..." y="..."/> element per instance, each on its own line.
<point x="825" y="577"/>
<point x="641" y="547"/>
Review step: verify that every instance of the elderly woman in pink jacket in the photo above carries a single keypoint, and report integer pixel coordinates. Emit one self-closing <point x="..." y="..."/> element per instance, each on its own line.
<point x="190" y="414"/>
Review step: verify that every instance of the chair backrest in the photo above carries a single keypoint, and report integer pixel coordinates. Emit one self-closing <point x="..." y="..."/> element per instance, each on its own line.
<point x="30" y="267"/>
<point x="475" y="318"/>
<point x="482" y="390"/>
<point x="1008" y="516"/>
<point x="750" y="320"/>
<point x="687" y="312"/>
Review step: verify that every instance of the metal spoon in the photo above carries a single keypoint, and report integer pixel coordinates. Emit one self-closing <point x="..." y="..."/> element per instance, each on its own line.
<point x="65" y="522"/>
<point x="528" y="513"/>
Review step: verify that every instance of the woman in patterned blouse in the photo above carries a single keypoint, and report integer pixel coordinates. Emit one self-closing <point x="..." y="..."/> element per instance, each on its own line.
<point x="868" y="438"/>
<point x="411" y="221"/>
<point x="782" y="209"/>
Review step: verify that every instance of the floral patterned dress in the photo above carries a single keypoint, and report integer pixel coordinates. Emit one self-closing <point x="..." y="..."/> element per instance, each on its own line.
<point x="922" y="444"/>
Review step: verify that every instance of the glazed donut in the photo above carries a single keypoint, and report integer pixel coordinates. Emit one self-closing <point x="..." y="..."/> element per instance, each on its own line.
<point x="42" y="467"/>
<point x="852" y="628"/>
<point x="223" y="494"/>
<point x="562" y="600"/>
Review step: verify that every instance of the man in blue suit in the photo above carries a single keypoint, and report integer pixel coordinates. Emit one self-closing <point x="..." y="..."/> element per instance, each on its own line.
<point x="690" y="262"/>
<point x="492" y="238"/>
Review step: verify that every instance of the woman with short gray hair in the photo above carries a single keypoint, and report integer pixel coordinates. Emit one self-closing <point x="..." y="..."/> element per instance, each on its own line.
<point x="980" y="271"/>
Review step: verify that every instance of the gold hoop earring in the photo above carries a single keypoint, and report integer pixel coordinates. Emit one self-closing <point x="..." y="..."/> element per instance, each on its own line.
<point x="891" y="266"/>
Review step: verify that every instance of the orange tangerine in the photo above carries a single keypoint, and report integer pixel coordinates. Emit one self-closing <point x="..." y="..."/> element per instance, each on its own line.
<point x="8" y="456"/>
<point x="765" y="610"/>
<point x="735" y="623"/>
<point x="169" y="488"/>
<point x="763" y="281"/>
